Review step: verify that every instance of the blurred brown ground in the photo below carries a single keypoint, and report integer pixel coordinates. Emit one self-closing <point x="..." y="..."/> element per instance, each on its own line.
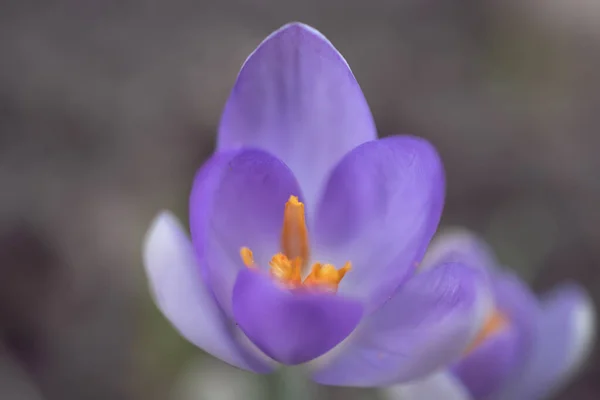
<point x="108" y="107"/>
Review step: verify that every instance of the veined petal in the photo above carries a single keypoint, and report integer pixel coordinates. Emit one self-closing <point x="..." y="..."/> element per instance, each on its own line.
<point x="564" y="337"/>
<point x="181" y="295"/>
<point x="239" y="202"/>
<point x="439" y="386"/>
<point x="380" y="208"/>
<point x="296" y="97"/>
<point x="425" y="326"/>
<point x="291" y="328"/>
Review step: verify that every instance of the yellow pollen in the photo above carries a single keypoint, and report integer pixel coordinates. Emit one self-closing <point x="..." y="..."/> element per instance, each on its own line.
<point x="495" y="323"/>
<point x="247" y="257"/>
<point x="285" y="270"/>
<point x="325" y="275"/>
<point x="286" y="267"/>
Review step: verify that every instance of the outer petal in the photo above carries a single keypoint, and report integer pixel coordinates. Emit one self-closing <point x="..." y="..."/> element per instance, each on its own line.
<point x="565" y="335"/>
<point x="239" y="201"/>
<point x="297" y="98"/>
<point x="381" y="206"/>
<point x="291" y="327"/>
<point x="426" y="325"/>
<point x="439" y="386"/>
<point x="183" y="298"/>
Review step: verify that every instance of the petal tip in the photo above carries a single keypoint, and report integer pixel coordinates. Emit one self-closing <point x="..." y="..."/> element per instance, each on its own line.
<point x="298" y="31"/>
<point x="585" y="326"/>
<point x="160" y="231"/>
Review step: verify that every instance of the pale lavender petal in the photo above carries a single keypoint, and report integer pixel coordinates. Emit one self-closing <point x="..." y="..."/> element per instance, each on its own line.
<point x="459" y="245"/>
<point x="484" y="370"/>
<point x="380" y="208"/>
<point x="515" y="300"/>
<point x="425" y="326"/>
<point x="565" y="335"/>
<point x="183" y="298"/>
<point x="291" y="327"/>
<point x="239" y="202"/>
<point x="297" y="98"/>
<point x="439" y="386"/>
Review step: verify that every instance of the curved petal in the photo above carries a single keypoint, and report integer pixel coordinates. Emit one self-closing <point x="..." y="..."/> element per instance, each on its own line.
<point x="291" y="327"/>
<point x="239" y="201"/>
<point x="184" y="300"/>
<point x="439" y="386"/>
<point x="487" y="367"/>
<point x="380" y="208"/>
<point x="459" y="245"/>
<point x="205" y="185"/>
<point x="565" y="335"/>
<point x="425" y="326"/>
<point x="297" y="98"/>
<point x="515" y="300"/>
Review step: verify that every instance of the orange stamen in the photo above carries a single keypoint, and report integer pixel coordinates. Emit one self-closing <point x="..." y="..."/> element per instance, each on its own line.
<point x="326" y="276"/>
<point x="495" y="323"/>
<point x="286" y="267"/>
<point x="285" y="270"/>
<point x="294" y="235"/>
<point x="247" y="257"/>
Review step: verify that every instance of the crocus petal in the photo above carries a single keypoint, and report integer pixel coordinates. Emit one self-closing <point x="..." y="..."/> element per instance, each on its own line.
<point x="297" y="98"/>
<point x="565" y="333"/>
<point x="380" y="208"/>
<point x="181" y="295"/>
<point x="291" y="328"/>
<point x="484" y="370"/>
<point x="459" y="245"/>
<point x="205" y="185"/>
<point x="247" y="192"/>
<point x="439" y="386"/>
<point x="426" y="325"/>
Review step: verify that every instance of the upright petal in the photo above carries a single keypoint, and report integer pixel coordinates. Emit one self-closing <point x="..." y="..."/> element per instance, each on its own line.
<point x="297" y="98"/>
<point x="565" y="335"/>
<point x="291" y="328"/>
<point x="380" y="208"/>
<point x="183" y="298"/>
<point x="459" y="245"/>
<point x="238" y="202"/>
<point x="439" y="386"/>
<point x="425" y="326"/>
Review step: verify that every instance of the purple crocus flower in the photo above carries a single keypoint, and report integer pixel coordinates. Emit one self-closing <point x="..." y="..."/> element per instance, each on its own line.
<point x="528" y="348"/>
<point x="306" y="229"/>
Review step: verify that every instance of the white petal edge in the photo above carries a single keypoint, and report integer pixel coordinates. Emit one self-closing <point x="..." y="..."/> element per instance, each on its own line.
<point x="307" y="28"/>
<point x="182" y="297"/>
<point x="583" y="325"/>
<point x="438" y="386"/>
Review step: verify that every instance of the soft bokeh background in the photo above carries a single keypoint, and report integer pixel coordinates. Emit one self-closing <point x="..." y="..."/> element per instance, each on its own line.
<point x="107" y="108"/>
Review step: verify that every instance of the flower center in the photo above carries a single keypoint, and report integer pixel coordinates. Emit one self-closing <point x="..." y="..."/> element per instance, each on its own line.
<point x="494" y="324"/>
<point x="287" y="266"/>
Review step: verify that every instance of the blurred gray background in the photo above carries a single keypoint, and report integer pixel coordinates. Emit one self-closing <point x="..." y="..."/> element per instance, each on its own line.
<point x="107" y="108"/>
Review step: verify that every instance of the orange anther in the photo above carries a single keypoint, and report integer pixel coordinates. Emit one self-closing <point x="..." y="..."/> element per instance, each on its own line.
<point x="247" y="257"/>
<point x="326" y="276"/>
<point x="294" y="235"/>
<point x="285" y="270"/>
